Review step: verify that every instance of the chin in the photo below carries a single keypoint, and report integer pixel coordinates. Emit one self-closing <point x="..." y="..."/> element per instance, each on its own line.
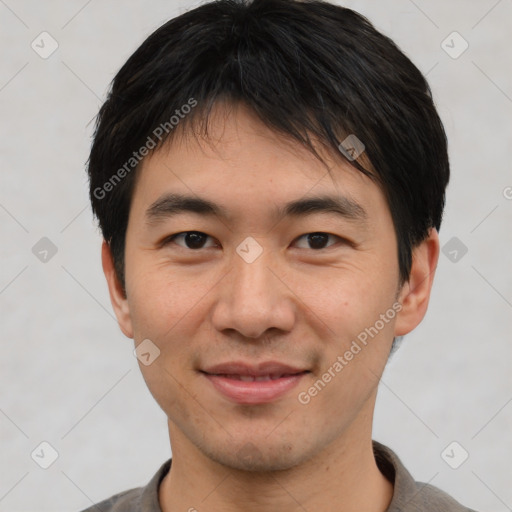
<point x="257" y="456"/>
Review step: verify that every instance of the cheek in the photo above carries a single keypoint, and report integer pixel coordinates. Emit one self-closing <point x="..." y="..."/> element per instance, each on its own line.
<point x="163" y="300"/>
<point x="355" y="318"/>
<point x="166" y="310"/>
<point x="345" y="303"/>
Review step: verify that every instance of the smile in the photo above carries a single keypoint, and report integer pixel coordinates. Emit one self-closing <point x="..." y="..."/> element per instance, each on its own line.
<point x="251" y="389"/>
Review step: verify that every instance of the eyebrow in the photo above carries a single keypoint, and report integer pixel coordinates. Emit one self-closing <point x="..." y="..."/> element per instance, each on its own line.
<point x="173" y="204"/>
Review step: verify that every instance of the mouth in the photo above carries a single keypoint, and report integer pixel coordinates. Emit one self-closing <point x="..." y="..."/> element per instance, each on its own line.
<point x="253" y="384"/>
<point x="254" y="378"/>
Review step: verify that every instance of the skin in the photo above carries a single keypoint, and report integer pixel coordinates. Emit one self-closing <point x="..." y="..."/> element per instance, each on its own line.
<point x="294" y="304"/>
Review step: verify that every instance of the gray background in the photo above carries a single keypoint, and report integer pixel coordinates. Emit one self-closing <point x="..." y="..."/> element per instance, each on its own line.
<point x="68" y="376"/>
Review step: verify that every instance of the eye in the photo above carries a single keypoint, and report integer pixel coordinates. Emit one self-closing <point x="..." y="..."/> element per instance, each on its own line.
<point x="193" y="239"/>
<point x="317" y="240"/>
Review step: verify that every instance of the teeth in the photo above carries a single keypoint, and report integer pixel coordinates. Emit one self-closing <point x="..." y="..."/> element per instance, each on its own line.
<point x="252" y="378"/>
<point x="262" y="377"/>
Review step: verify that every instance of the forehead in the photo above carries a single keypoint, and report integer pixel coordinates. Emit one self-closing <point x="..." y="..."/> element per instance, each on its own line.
<point x="243" y="165"/>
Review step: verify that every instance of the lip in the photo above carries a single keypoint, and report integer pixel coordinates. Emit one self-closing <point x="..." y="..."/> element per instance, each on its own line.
<point x="226" y="378"/>
<point x="255" y="370"/>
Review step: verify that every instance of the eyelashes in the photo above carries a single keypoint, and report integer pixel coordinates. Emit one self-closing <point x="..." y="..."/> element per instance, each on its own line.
<point x="195" y="240"/>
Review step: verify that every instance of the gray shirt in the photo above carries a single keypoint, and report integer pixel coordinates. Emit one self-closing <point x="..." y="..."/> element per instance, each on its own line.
<point x="408" y="495"/>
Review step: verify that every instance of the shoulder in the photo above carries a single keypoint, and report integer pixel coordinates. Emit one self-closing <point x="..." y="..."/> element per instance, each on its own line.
<point x="431" y="499"/>
<point x="140" y="499"/>
<point x="409" y="495"/>
<point x="126" y="501"/>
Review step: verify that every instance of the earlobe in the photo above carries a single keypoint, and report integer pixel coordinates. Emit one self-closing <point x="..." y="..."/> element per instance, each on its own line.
<point x="117" y="295"/>
<point x="415" y="293"/>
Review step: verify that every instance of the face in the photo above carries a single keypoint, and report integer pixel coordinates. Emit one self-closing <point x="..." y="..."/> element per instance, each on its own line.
<point x="268" y="284"/>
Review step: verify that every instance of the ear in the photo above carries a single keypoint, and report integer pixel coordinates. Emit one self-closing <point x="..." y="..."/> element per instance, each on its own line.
<point x="415" y="293"/>
<point x="117" y="296"/>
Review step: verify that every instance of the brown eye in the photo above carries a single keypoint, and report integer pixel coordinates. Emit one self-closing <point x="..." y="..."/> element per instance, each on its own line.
<point x="317" y="240"/>
<point x="193" y="240"/>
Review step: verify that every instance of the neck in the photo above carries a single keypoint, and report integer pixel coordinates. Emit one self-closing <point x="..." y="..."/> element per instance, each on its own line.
<point x="344" y="477"/>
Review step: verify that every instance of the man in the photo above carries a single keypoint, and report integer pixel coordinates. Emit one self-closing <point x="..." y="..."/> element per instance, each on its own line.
<point x="269" y="178"/>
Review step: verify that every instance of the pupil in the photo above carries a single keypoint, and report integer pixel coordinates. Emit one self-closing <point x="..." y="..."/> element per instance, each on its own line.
<point x="194" y="240"/>
<point x="317" y="240"/>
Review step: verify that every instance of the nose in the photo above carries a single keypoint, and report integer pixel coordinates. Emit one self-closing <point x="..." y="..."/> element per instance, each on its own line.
<point x="254" y="299"/>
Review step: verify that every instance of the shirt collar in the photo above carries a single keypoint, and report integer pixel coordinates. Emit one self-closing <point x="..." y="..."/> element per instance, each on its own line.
<point x="405" y="488"/>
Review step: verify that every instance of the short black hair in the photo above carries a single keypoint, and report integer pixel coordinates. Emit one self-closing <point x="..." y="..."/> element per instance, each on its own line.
<point x="309" y="69"/>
